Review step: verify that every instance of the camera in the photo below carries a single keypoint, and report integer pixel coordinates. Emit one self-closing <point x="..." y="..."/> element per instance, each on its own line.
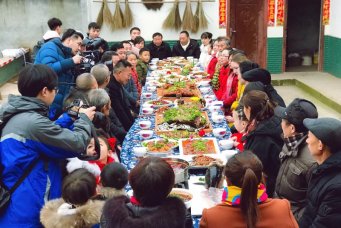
<point x="93" y="44"/>
<point x="90" y="58"/>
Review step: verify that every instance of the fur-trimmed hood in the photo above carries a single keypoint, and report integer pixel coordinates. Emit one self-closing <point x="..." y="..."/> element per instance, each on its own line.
<point x="119" y="212"/>
<point x="58" y="214"/>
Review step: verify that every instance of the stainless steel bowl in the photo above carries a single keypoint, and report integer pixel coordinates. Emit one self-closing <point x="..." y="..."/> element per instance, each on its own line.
<point x="181" y="172"/>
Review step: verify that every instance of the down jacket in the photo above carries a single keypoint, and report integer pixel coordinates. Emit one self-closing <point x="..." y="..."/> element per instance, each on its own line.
<point x="27" y="135"/>
<point x="59" y="57"/>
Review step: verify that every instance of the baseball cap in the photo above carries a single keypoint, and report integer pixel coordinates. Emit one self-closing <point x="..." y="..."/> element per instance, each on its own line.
<point x="298" y="110"/>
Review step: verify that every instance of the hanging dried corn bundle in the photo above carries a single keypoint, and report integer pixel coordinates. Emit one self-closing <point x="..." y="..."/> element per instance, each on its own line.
<point x="188" y="19"/>
<point x="99" y="20"/>
<point x="201" y="20"/>
<point x="173" y="20"/>
<point x="117" y="19"/>
<point x="153" y="6"/>
<point x="107" y="16"/>
<point x="128" y="15"/>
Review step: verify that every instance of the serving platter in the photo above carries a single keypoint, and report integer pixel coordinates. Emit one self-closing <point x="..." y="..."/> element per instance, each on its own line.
<point x="160" y="147"/>
<point x="198" y="146"/>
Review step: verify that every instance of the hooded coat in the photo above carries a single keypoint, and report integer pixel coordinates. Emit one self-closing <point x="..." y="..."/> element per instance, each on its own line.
<point x="266" y="142"/>
<point x="118" y="212"/>
<point x="28" y="134"/>
<point x="58" y="214"/>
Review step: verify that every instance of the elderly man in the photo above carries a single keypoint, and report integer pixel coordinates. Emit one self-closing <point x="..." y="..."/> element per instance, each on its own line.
<point x="158" y="48"/>
<point x="61" y="56"/>
<point x="186" y="47"/>
<point x="297" y="163"/>
<point x="119" y="101"/>
<point x="324" y="190"/>
<point x="102" y="75"/>
<point x="223" y="43"/>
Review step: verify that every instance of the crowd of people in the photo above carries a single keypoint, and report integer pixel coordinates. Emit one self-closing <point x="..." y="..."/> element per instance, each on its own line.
<point x="61" y="140"/>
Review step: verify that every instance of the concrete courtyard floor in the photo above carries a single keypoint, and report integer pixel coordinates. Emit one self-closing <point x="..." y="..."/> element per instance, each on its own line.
<point x="323" y="89"/>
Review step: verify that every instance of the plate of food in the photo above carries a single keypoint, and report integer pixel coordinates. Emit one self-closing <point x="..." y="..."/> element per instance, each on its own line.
<point x="160" y="103"/>
<point x="184" y="194"/>
<point x="198" y="146"/>
<point x="160" y="147"/>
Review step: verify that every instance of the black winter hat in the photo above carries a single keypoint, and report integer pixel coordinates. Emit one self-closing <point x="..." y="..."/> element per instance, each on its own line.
<point x="328" y="130"/>
<point x="247" y="65"/>
<point x="257" y="74"/>
<point x="254" y="86"/>
<point x="297" y="111"/>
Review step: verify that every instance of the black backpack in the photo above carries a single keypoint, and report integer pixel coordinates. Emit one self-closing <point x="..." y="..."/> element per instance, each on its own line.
<point x="36" y="49"/>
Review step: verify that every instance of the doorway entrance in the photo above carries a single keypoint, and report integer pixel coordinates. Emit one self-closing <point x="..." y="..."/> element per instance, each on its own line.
<point x="247" y="28"/>
<point x="302" y="35"/>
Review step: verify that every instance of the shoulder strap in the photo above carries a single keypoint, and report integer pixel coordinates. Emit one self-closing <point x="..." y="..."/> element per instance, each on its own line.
<point x="25" y="174"/>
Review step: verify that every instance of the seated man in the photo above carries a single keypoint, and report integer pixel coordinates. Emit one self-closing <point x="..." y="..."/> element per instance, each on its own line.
<point x="186" y="47"/>
<point x="158" y="48"/>
<point x="119" y="101"/>
<point x="102" y="75"/>
<point x="120" y="50"/>
<point x="110" y="58"/>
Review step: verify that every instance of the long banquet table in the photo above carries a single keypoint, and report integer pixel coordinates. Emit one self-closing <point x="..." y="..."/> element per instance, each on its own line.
<point x="133" y="139"/>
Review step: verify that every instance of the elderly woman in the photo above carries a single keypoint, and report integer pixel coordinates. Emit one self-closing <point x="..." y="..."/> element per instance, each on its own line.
<point x="296" y="161"/>
<point x="152" y="180"/>
<point x="263" y="134"/>
<point x="244" y="201"/>
<point x="324" y="190"/>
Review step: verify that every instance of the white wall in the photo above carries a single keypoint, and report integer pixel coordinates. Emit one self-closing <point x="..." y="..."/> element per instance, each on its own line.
<point x="334" y="27"/>
<point x="150" y="21"/>
<point x="23" y="23"/>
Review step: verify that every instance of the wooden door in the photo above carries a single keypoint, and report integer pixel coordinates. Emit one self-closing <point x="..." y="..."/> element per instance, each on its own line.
<point x="247" y="27"/>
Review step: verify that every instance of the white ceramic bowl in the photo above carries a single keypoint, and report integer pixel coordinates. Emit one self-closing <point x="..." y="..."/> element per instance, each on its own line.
<point x="147" y="111"/>
<point x="177" y="192"/>
<point x="146" y="134"/>
<point x="145" y="124"/>
<point x="153" y="67"/>
<point x="204" y="89"/>
<point x="151" y="88"/>
<point x="226" y="144"/>
<point x="204" y="83"/>
<point x="139" y="151"/>
<point x="218" y="118"/>
<point x="227" y="154"/>
<point x="208" y="96"/>
<point x="147" y="95"/>
<point x="219" y="132"/>
<point x="213" y="108"/>
<point x="155" y="59"/>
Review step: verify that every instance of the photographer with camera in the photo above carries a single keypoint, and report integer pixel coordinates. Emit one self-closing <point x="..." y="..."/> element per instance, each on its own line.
<point x="94" y="43"/>
<point x="31" y="147"/>
<point x="61" y="55"/>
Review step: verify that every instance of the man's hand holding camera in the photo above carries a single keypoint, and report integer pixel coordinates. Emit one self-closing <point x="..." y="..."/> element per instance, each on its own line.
<point x="77" y="59"/>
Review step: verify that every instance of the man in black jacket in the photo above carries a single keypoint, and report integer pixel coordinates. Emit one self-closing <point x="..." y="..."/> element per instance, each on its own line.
<point x="186" y="47"/>
<point x="119" y="102"/>
<point x="324" y="189"/>
<point x="158" y="48"/>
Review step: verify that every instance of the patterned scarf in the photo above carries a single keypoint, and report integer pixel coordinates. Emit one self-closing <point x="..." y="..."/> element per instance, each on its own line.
<point x="292" y="141"/>
<point x="231" y="195"/>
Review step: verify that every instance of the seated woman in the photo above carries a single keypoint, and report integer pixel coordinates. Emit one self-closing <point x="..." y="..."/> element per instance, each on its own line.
<point x="205" y="49"/>
<point x="213" y="61"/>
<point x="151" y="179"/>
<point x="244" y="201"/>
<point x="263" y="134"/>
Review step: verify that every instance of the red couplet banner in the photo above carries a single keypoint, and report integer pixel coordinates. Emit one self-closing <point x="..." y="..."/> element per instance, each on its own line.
<point x="271" y="12"/>
<point x="222" y="13"/>
<point x="280" y="12"/>
<point x="326" y="12"/>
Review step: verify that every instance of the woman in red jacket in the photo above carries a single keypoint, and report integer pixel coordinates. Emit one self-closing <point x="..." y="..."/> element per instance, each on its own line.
<point x="213" y="62"/>
<point x="244" y="201"/>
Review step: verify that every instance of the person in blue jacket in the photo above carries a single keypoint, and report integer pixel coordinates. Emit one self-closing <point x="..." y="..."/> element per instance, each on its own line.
<point x="28" y="134"/>
<point x="61" y="56"/>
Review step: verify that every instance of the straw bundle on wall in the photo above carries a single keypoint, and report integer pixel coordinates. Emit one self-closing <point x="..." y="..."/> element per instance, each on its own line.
<point x="128" y="15"/>
<point x="173" y="20"/>
<point x="117" y="19"/>
<point x="188" y="19"/>
<point x="99" y="19"/>
<point x="107" y="16"/>
<point x="200" y="18"/>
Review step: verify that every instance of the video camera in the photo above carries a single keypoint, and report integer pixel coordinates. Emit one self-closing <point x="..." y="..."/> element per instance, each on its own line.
<point x="93" y="44"/>
<point x="90" y="58"/>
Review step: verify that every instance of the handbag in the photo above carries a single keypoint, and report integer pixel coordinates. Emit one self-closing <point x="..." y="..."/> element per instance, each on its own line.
<point x="5" y="194"/>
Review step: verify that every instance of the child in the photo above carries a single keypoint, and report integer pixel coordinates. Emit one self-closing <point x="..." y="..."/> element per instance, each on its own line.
<point x="240" y="123"/>
<point x="132" y="59"/>
<point x="75" y="209"/>
<point x="142" y="65"/>
<point x="114" y="177"/>
<point x="107" y="156"/>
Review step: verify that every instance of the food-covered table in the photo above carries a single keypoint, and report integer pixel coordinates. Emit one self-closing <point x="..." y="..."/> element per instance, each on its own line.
<point x="155" y="98"/>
